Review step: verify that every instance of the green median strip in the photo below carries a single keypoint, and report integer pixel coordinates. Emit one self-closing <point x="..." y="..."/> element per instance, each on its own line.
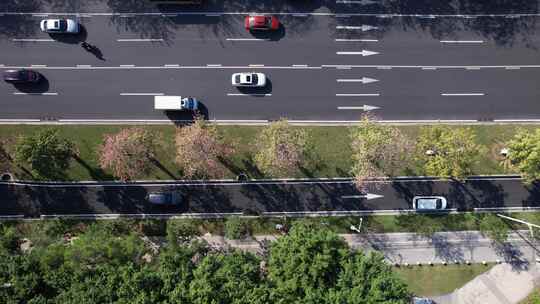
<point x="331" y="150"/>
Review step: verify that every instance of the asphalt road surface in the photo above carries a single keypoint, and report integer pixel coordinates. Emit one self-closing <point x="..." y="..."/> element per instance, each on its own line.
<point x="33" y="200"/>
<point x="330" y="60"/>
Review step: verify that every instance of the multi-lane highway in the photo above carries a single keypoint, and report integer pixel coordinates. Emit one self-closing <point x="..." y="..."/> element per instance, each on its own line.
<point x="35" y="199"/>
<point x="330" y="61"/>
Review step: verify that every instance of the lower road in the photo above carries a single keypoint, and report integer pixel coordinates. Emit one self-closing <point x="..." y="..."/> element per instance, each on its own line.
<point x="35" y="199"/>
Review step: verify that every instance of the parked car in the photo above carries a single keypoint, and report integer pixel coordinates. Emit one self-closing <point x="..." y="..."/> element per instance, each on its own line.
<point x="248" y="80"/>
<point x="169" y="198"/>
<point x="261" y="23"/>
<point x="417" y="300"/>
<point x="21" y="76"/>
<point x="59" y="26"/>
<point x="429" y="203"/>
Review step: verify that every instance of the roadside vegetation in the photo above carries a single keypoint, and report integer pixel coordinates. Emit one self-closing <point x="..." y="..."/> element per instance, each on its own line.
<point x="202" y="150"/>
<point x="112" y="263"/>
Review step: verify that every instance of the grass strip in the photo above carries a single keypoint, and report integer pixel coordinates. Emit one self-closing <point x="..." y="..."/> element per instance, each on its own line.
<point x="331" y="148"/>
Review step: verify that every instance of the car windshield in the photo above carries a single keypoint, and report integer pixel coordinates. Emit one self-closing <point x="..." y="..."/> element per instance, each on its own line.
<point x="237" y="79"/>
<point x="255" y="79"/>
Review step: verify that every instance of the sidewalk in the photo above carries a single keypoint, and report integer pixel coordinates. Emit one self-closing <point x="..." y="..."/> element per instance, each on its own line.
<point x="508" y="282"/>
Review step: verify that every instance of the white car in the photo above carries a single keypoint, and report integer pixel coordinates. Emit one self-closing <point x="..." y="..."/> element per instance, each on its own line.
<point x="428" y="203"/>
<point x="248" y="80"/>
<point x="53" y="26"/>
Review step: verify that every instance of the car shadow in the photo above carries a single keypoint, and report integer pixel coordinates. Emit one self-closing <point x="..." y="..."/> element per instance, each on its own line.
<point x="181" y="118"/>
<point x="270" y="35"/>
<point x="41" y="86"/>
<point x="257" y="92"/>
<point x="71" y="38"/>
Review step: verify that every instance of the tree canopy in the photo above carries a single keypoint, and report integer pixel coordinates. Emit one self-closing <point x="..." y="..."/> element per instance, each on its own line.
<point x="309" y="265"/>
<point x="524" y="153"/>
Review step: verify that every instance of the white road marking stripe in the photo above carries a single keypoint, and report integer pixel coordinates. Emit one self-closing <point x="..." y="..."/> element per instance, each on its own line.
<point x="300" y="65"/>
<point x="512" y="68"/>
<point x="127" y="65"/>
<point x="350" y="95"/>
<point x="462" y="94"/>
<point x="38" y="65"/>
<point x="37" y="15"/>
<point x="367" y="80"/>
<point x="429" y="68"/>
<point x="213" y="15"/>
<point x="172" y="65"/>
<point x="352" y="108"/>
<point x="356" y="40"/>
<point x="247" y="39"/>
<point x="240" y="94"/>
<point x="363" y="27"/>
<point x="140" y="40"/>
<point x="462" y="41"/>
<point x="300" y="15"/>
<point x="141" y="94"/>
<point x="44" y="94"/>
<point x="256" y="65"/>
<point x="31" y="40"/>
<point x="83" y="65"/>
<point x="213" y="65"/>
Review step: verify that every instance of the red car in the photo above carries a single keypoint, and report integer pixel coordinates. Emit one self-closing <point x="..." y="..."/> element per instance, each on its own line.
<point x="261" y="22"/>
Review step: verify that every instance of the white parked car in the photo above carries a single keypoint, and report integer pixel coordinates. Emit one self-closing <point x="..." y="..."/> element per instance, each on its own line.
<point x="248" y="80"/>
<point x="428" y="203"/>
<point x="59" y="26"/>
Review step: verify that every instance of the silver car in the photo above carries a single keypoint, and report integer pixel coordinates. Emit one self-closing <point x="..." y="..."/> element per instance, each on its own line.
<point x="248" y="80"/>
<point x="59" y="26"/>
<point x="429" y="203"/>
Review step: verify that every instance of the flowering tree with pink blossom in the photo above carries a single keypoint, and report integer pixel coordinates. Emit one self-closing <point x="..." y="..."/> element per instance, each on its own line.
<point x="199" y="148"/>
<point x="281" y="149"/>
<point x="128" y="153"/>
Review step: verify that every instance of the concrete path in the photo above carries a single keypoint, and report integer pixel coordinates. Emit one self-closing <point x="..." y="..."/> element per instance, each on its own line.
<point x="508" y="282"/>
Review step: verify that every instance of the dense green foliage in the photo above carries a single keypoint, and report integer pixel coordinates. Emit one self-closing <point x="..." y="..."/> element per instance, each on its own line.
<point x="106" y="265"/>
<point x="47" y="153"/>
<point x="525" y="153"/>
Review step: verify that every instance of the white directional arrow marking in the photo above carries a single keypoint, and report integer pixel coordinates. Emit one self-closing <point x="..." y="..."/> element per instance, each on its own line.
<point x="363" y="80"/>
<point x="363" y="53"/>
<point x="361" y="2"/>
<point x="368" y="196"/>
<point x="363" y="27"/>
<point x="363" y="108"/>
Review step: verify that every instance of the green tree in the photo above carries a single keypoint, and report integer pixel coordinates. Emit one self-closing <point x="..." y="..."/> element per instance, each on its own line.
<point x="282" y="149"/>
<point x="524" y="153"/>
<point x="378" y="151"/>
<point x="368" y="279"/>
<point x="307" y="259"/>
<point x="47" y="153"/>
<point x="236" y="228"/>
<point x="233" y="277"/>
<point x="454" y="151"/>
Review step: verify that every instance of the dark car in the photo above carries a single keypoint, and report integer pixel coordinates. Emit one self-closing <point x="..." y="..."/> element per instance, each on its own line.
<point x="261" y="22"/>
<point x="164" y="198"/>
<point x="21" y="76"/>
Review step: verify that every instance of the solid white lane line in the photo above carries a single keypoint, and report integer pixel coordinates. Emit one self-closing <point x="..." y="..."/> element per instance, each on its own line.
<point x="141" y="94"/>
<point x="240" y="94"/>
<point x="127" y="65"/>
<point x="31" y="40"/>
<point x="83" y="65"/>
<point x="462" y="41"/>
<point x="354" y="94"/>
<point x="512" y="68"/>
<point x="356" y="40"/>
<point x="256" y="65"/>
<point x="140" y="40"/>
<point x="300" y="65"/>
<point x="172" y="65"/>
<point x="247" y="39"/>
<point x="462" y="94"/>
<point x="44" y="94"/>
<point x="213" y="65"/>
<point x="363" y="108"/>
<point x="213" y="15"/>
<point x="38" y="65"/>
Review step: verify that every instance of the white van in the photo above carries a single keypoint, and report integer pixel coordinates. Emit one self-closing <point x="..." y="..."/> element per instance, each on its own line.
<point x="168" y="103"/>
